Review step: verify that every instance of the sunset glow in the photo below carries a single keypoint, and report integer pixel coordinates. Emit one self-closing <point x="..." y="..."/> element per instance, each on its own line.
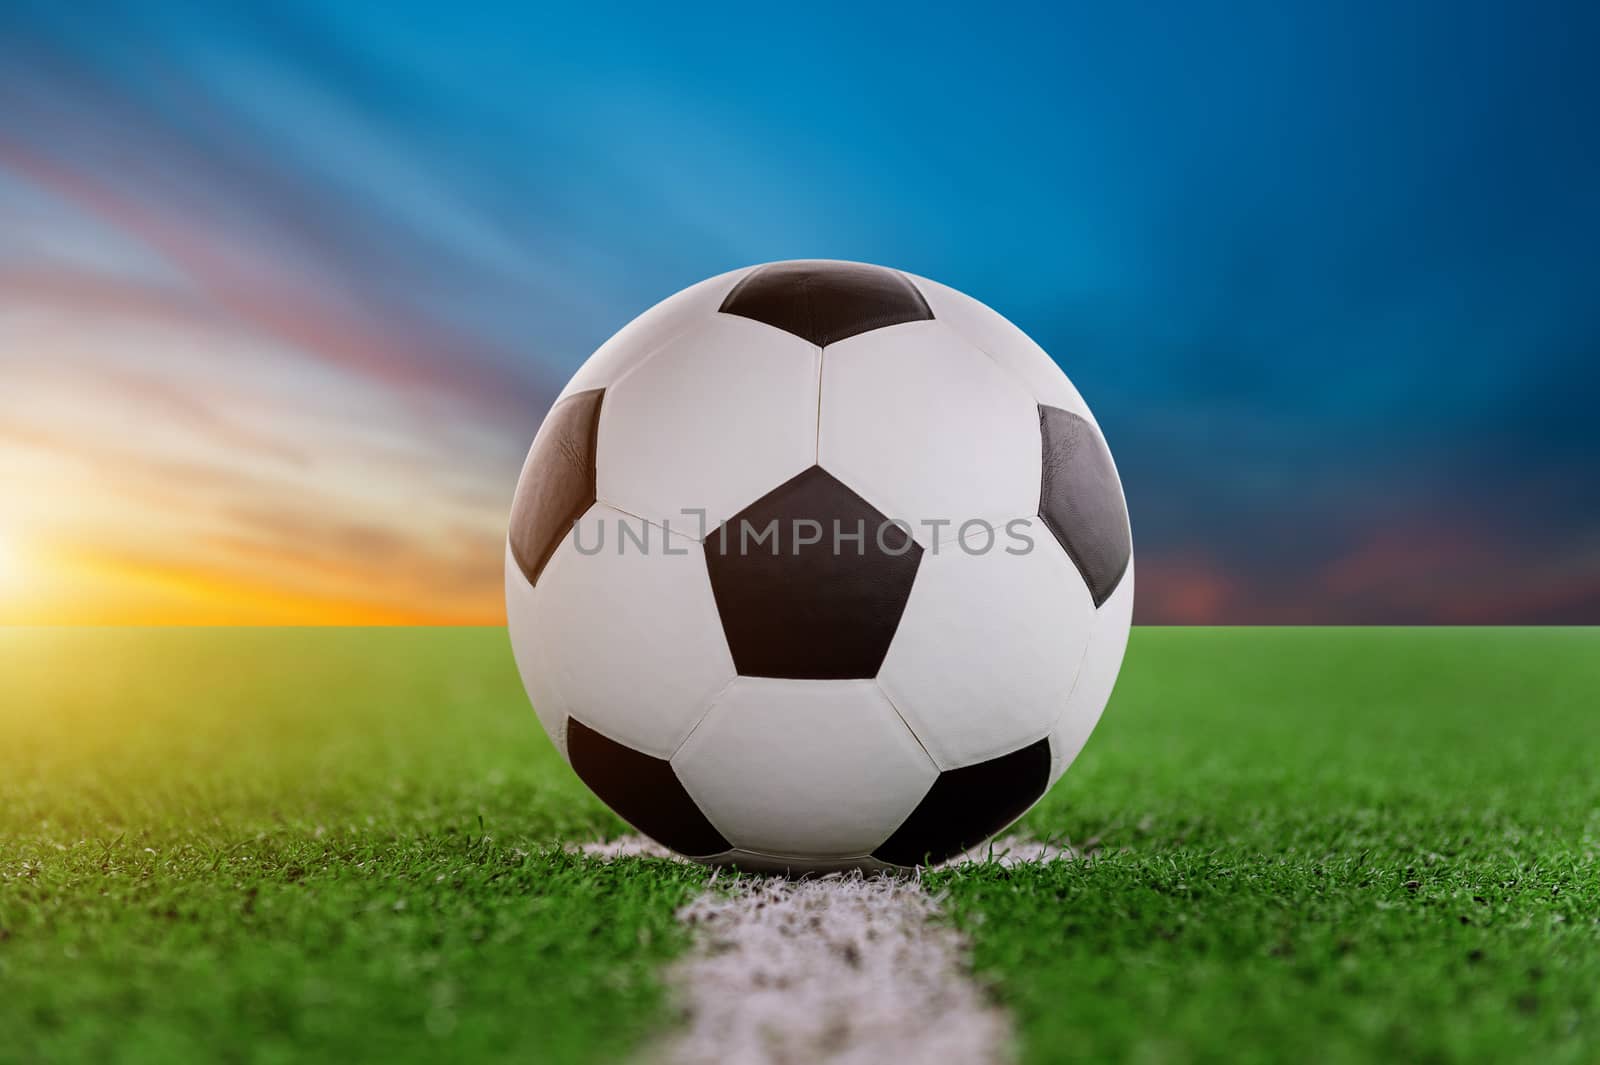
<point x="10" y="567"/>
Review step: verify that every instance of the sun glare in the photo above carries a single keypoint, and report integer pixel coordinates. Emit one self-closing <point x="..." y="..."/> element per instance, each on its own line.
<point x="10" y="564"/>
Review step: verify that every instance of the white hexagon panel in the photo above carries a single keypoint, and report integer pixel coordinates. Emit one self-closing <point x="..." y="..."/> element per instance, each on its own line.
<point x="812" y="769"/>
<point x="928" y="429"/>
<point x="990" y="644"/>
<point x="715" y="419"/>
<point x="1011" y="348"/>
<point x="528" y="644"/>
<point x="1102" y="661"/>
<point x="630" y="630"/>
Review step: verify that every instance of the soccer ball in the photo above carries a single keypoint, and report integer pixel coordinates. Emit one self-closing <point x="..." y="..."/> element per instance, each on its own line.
<point x="818" y="565"/>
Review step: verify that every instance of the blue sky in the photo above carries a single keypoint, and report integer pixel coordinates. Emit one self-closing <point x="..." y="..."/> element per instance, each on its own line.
<point x="270" y="274"/>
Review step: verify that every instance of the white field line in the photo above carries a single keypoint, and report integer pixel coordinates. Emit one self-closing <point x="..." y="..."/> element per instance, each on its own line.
<point x="839" y="969"/>
<point x="1009" y="850"/>
<point x="626" y="847"/>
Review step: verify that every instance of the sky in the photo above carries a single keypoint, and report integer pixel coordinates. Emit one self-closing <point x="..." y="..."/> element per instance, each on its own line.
<point x="285" y="290"/>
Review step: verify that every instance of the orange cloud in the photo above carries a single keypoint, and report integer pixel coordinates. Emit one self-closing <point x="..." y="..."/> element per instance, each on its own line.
<point x="1183" y="589"/>
<point x="147" y="503"/>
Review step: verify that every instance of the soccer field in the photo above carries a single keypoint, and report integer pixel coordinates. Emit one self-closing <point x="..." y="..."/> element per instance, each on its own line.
<point x="1316" y="844"/>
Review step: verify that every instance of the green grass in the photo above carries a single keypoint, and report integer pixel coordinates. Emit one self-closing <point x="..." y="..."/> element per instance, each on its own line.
<point x="330" y="845"/>
<point x="1319" y="845"/>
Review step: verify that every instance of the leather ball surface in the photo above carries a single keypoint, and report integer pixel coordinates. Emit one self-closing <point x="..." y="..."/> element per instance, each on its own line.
<point x="819" y="565"/>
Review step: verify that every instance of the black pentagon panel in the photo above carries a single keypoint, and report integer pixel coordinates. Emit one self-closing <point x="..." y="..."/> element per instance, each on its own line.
<point x="644" y="792"/>
<point x="1081" y="500"/>
<point x="825" y="302"/>
<point x="811" y="581"/>
<point x="557" y="483"/>
<point x="968" y="805"/>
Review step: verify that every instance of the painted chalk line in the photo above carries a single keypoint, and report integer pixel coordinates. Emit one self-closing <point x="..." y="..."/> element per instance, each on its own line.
<point x="840" y="969"/>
